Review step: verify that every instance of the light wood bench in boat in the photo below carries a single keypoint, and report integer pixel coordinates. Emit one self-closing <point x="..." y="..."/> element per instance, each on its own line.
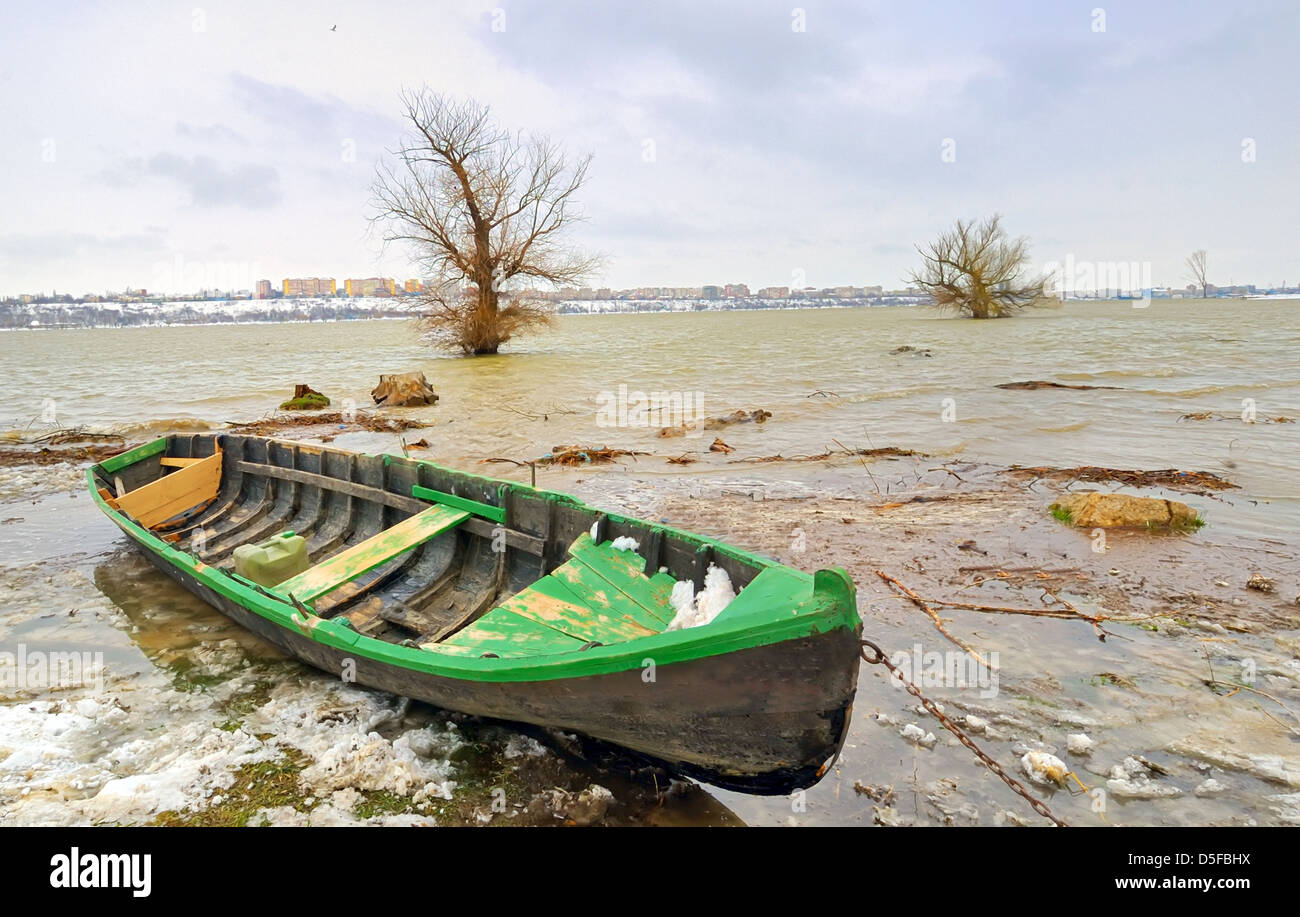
<point x="175" y="493"/>
<point x="347" y="565"/>
<point x="168" y="461"/>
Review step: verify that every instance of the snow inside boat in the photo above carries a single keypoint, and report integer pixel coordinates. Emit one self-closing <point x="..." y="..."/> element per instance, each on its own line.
<point x="500" y="600"/>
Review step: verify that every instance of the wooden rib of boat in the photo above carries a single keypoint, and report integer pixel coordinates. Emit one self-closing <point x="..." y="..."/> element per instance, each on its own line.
<point x="500" y="600"/>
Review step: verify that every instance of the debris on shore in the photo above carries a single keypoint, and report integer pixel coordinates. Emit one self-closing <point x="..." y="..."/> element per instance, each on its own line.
<point x="54" y="447"/>
<point x="571" y="456"/>
<point x="716" y="423"/>
<point x="882" y="452"/>
<point x="1034" y="384"/>
<point x="345" y="421"/>
<point x="1261" y="583"/>
<point x="59" y="437"/>
<point x="1193" y="482"/>
<point x="10" y="456"/>
<point x="1214" y="415"/>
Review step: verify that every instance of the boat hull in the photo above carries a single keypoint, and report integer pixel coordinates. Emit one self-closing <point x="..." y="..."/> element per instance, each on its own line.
<point x="504" y="601"/>
<point x="751" y="720"/>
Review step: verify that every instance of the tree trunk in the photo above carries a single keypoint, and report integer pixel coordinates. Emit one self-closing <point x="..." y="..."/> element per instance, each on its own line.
<point x="487" y="321"/>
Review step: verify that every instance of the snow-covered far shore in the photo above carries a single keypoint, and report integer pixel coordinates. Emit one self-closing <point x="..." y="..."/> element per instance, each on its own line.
<point x="44" y="316"/>
<point x="200" y="312"/>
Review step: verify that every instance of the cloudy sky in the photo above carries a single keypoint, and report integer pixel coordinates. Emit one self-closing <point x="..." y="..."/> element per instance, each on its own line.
<point x="167" y="145"/>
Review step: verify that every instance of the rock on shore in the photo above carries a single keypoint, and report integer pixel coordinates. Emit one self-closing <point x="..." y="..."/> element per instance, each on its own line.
<point x="1099" y="510"/>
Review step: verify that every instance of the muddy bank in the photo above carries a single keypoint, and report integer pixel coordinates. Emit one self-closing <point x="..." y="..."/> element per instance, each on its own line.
<point x="183" y="718"/>
<point x="1196" y="677"/>
<point x="78" y="446"/>
<point x="1193" y="669"/>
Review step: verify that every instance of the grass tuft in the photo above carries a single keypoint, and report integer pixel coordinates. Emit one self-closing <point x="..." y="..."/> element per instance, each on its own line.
<point x="1061" y="514"/>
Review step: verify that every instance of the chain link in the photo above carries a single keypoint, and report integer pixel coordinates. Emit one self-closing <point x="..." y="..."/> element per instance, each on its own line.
<point x="878" y="658"/>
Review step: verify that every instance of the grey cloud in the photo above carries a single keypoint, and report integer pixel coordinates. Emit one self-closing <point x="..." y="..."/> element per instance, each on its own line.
<point x="723" y="45"/>
<point x="212" y="185"/>
<point x="67" y="246"/>
<point x="210" y="133"/>
<point x="285" y="109"/>
<point x="124" y="173"/>
<point x="209" y="183"/>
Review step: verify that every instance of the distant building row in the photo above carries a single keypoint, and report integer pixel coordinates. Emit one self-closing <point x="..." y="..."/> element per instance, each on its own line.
<point x="713" y="292"/>
<point x="326" y="286"/>
<point x="387" y="286"/>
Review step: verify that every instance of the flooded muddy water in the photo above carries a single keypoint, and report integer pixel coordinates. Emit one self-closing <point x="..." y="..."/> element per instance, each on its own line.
<point x="1190" y="704"/>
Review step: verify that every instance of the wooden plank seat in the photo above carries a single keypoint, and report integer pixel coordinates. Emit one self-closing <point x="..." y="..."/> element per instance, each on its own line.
<point x="352" y="562"/>
<point x="172" y="494"/>
<point x="168" y="461"/>
<point x="599" y="596"/>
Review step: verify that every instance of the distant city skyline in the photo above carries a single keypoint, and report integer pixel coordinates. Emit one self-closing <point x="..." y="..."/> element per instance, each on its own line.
<point x="390" y="287"/>
<point x="806" y="146"/>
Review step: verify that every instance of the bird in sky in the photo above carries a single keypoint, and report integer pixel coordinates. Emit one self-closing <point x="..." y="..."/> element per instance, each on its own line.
<point x="334" y="28"/>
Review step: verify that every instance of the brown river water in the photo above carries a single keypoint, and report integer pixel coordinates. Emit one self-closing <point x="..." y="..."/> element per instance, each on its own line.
<point x="181" y="699"/>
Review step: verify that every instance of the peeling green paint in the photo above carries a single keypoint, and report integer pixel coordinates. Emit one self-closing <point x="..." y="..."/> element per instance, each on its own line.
<point x="830" y="605"/>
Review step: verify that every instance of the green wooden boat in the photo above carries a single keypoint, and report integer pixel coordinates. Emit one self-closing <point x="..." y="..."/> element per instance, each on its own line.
<point x="500" y="600"/>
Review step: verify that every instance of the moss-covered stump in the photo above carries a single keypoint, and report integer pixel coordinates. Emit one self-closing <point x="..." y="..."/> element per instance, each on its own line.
<point x="305" y="398"/>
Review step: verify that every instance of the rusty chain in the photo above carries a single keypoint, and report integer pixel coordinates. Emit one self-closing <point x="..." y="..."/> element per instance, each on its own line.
<point x="1019" y="788"/>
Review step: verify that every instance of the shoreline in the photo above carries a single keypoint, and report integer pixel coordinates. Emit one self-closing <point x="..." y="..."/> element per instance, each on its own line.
<point x="1175" y="608"/>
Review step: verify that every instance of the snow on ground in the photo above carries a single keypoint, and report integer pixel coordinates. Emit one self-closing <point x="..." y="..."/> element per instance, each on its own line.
<point x="26" y="482"/>
<point x="132" y="737"/>
<point x="141" y="748"/>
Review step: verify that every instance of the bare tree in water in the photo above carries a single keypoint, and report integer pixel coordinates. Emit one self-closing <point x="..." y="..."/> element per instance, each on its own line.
<point x="975" y="269"/>
<point x="485" y="213"/>
<point x="1196" y="263"/>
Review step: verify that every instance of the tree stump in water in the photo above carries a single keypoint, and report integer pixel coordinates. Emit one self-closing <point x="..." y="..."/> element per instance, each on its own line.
<point x="403" y="389"/>
<point x="305" y="398"/>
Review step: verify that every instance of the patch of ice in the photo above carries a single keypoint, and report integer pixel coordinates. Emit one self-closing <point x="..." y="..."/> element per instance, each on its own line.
<point x="520" y="746"/>
<point x="345" y="756"/>
<point x="1006" y="815"/>
<point x="1132" y="780"/>
<point x="918" y="736"/>
<point x="1287" y="808"/>
<point x="1078" y="743"/>
<point x="626" y="543"/>
<point x="693" y="610"/>
<point x="22" y="483"/>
